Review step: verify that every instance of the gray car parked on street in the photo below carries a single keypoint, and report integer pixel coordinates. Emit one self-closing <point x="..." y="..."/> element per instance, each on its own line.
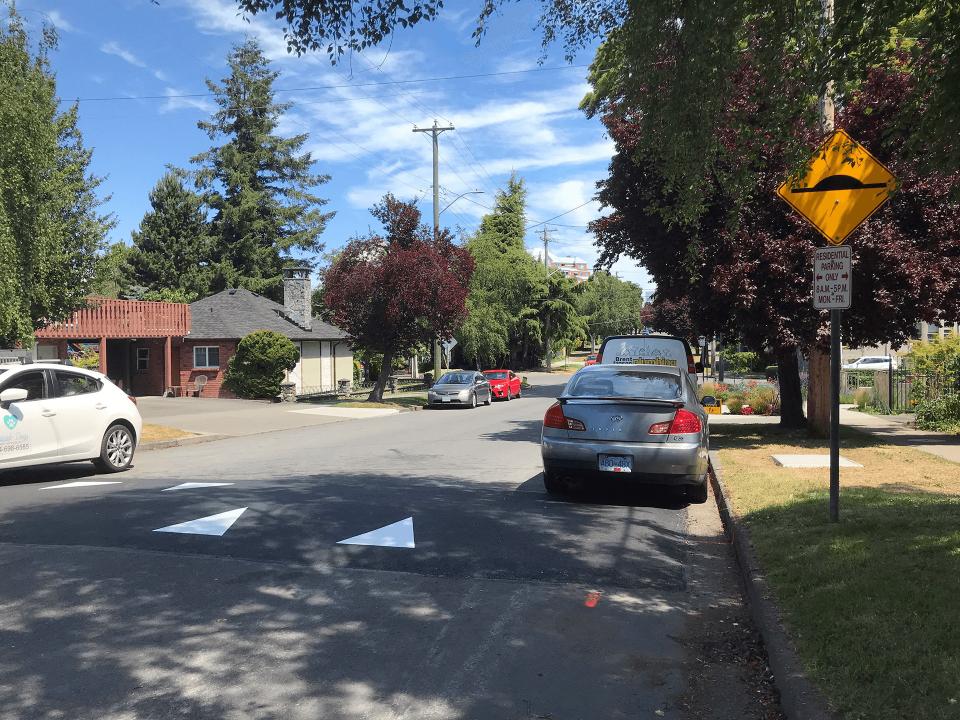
<point x="640" y="423"/>
<point x="462" y="387"/>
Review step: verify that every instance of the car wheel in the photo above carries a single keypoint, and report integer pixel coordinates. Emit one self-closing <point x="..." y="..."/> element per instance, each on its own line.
<point x="519" y="392"/>
<point x="116" y="449"/>
<point x="698" y="493"/>
<point x="553" y="484"/>
<point x="509" y="394"/>
<point x="489" y="398"/>
<point x="473" y="401"/>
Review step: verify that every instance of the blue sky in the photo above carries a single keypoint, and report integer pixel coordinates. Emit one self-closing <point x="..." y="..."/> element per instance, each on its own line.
<point x="360" y="130"/>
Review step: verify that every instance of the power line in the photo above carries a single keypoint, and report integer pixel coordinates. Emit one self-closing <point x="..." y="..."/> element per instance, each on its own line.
<point x="544" y="222"/>
<point x="310" y="88"/>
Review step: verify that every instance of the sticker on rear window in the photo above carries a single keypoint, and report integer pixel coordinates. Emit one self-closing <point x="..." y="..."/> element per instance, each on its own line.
<point x="670" y="362"/>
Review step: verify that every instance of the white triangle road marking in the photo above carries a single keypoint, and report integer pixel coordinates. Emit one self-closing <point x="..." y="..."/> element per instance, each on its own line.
<point x="210" y="525"/>
<point x="398" y="534"/>
<point x="192" y="485"/>
<point x="82" y="483"/>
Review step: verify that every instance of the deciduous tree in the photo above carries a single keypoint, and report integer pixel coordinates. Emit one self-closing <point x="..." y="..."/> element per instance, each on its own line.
<point x="394" y="291"/>
<point x="51" y="228"/>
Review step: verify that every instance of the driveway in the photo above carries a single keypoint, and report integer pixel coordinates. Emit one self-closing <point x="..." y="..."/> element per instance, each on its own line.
<point x="401" y="567"/>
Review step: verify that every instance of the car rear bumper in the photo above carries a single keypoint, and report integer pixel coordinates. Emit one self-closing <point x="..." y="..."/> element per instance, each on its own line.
<point x="666" y="463"/>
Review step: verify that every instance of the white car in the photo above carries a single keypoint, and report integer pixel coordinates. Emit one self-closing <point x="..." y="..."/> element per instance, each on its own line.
<point x="52" y="413"/>
<point x="872" y="362"/>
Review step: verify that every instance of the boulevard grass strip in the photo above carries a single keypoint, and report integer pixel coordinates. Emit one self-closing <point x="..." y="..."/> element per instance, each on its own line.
<point x="159" y="433"/>
<point x="396" y="402"/>
<point x="872" y="602"/>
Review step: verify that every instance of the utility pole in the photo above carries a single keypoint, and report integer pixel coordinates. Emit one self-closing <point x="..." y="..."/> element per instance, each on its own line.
<point x="548" y="360"/>
<point x="435" y="133"/>
<point x="827" y="125"/>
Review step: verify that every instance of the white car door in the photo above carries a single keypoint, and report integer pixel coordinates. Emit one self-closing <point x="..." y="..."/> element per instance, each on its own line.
<point x="27" y="435"/>
<point x="81" y="413"/>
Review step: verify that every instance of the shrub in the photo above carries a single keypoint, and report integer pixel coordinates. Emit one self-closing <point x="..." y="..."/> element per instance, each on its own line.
<point x="260" y="364"/>
<point x="735" y="404"/>
<point x="942" y="413"/>
<point x="738" y="363"/>
<point x="763" y="399"/>
<point x="863" y="397"/>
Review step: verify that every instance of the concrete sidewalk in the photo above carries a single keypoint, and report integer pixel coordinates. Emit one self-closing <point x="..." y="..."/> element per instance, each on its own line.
<point x="897" y="433"/>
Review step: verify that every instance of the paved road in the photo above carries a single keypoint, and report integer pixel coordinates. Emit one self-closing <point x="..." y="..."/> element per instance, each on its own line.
<point x="101" y="617"/>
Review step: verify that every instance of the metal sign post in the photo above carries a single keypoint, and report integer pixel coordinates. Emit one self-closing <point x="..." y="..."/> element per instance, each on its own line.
<point x="832" y="286"/>
<point x="842" y="186"/>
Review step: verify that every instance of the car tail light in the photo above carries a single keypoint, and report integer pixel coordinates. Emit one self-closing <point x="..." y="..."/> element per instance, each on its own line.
<point x="599" y="358"/>
<point x="556" y="419"/>
<point x="691" y="365"/>
<point x="132" y="399"/>
<point x="683" y="423"/>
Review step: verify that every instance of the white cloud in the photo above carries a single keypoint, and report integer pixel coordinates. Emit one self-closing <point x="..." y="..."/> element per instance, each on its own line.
<point x="59" y="21"/>
<point x="176" y="100"/>
<point x="114" y="48"/>
<point x="161" y="76"/>
<point x="222" y="17"/>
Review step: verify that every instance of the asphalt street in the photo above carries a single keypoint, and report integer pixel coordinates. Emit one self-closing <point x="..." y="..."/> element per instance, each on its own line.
<point x="510" y="604"/>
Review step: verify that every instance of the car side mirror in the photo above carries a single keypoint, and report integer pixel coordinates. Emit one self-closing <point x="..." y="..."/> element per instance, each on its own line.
<point x="709" y="401"/>
<point x="12" y="395"/>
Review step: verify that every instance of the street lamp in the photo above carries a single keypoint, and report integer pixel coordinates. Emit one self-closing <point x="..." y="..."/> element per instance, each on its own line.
<point x="468" y="192"/>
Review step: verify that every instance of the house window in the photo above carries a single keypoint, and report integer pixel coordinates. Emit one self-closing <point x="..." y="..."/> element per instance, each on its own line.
<point x="206" y="357"/>
<point x="143" y="358"/>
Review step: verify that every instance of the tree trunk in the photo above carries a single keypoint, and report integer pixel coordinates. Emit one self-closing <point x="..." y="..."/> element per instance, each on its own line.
<point x="818" y="393"/>
<point x="791" y="394"/>
<point x="376" y="395"/>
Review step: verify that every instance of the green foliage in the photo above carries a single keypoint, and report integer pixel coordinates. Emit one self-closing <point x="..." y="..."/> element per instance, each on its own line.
<point x="735" y="404"/>
<point x="112" y="276"/>
<point x="738" y="363"/>
<point x="256" y="183"/>
<point x="505" y="326"/>
<point x="763" y="399"/>
<point x="50" y="227"/>
<point x="260" y="364"/>
<point x="941" y="414"/>
<point x="88" y="360"/>
<point x="610" y="305"/>
<point x="940" y="355"/>
<point x="171" y="255"/>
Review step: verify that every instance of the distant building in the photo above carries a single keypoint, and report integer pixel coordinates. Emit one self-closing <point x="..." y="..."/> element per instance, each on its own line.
<point x="577" y="269"/>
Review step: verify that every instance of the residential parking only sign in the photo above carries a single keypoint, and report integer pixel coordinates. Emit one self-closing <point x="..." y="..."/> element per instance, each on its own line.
<point x="832" y="278"/>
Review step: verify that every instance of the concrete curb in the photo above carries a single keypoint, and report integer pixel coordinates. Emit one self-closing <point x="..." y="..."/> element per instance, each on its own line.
<point x="799" y="698"/>
<point x="197" y="440"/>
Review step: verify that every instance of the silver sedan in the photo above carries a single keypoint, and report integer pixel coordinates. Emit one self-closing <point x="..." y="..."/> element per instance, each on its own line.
<point x="633" y="422"/>
<point x="460" y="388"/>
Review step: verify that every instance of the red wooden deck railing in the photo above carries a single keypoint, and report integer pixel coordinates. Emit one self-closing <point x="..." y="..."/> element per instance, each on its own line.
<point x="108" y="318"/>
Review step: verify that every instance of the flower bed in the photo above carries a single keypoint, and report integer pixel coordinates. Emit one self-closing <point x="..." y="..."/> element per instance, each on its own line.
<point x="750" y="398"/>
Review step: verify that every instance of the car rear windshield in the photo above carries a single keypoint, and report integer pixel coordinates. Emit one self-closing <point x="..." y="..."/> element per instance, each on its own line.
<point x="627" y="384"/>
<point x="456" y="379"/>
<point x="645" y="350"/>
<point x="496" y="375"/>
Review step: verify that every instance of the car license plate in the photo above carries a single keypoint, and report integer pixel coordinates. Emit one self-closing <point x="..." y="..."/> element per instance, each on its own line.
<point x="616" y="463"/>
<point x="445" y="399"/>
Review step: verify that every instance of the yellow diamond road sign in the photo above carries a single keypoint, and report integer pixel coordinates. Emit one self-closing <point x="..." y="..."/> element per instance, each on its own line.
<point x="843" y="186"/>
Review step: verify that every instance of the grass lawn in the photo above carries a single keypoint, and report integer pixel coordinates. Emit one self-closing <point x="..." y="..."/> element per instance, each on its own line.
<point x="872" y="602"/>
<point x="156" y="433"/>
<point x="399" y="401"/>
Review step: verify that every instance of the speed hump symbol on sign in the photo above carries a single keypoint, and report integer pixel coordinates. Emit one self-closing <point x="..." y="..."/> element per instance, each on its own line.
<point x="843" y="186"/>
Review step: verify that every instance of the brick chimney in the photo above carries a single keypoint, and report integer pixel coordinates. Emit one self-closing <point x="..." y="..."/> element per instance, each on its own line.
<point x="297" y="300"/>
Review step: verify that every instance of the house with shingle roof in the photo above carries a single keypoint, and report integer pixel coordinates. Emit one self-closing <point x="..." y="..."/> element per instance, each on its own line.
<point x="220" y="321"/>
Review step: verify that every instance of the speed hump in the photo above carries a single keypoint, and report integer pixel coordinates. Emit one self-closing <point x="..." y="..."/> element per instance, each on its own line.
<point x="843" y="186"/>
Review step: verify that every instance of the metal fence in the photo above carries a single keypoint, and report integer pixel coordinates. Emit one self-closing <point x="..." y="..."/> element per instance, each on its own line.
<point x="903" y="388"/>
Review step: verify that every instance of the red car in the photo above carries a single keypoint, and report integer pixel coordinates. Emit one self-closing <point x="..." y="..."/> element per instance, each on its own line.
<point x="504" y="384"/>
<point x="591" y="360"/>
